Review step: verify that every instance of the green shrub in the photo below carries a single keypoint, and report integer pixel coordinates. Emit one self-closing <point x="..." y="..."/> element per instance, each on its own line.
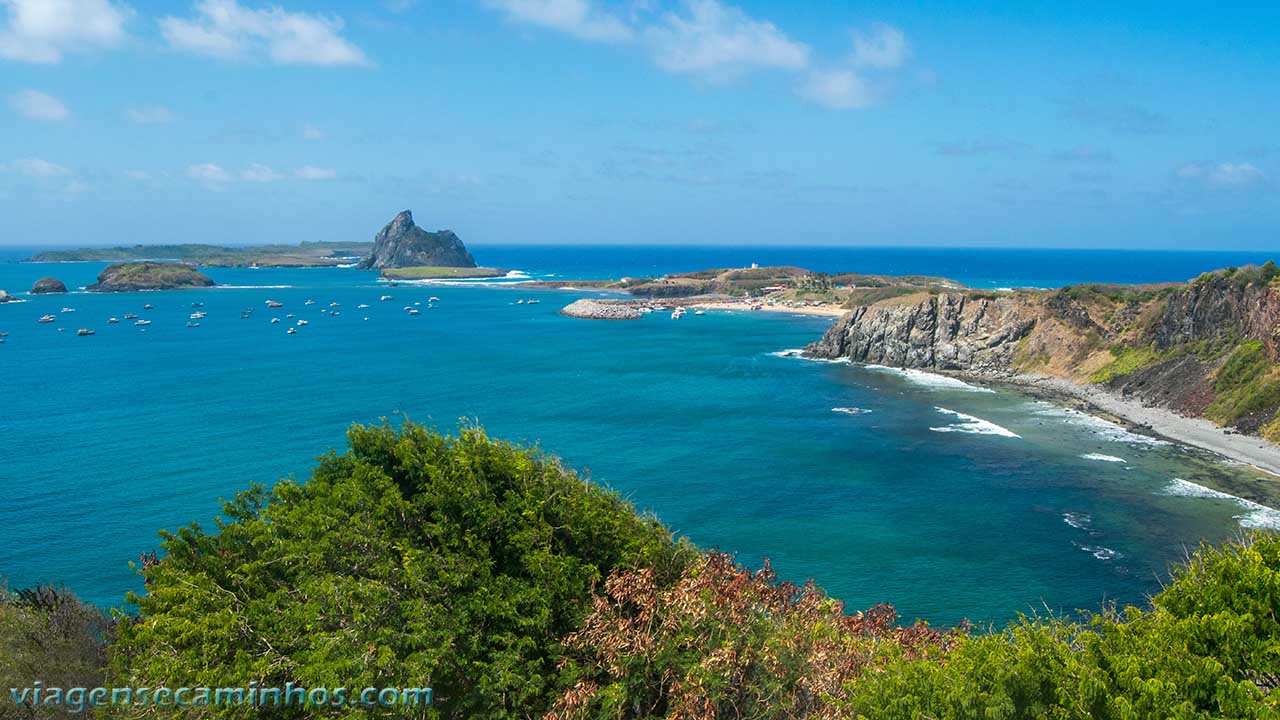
<point x="1246" y="384"/>
<point x="1127" y="360"/>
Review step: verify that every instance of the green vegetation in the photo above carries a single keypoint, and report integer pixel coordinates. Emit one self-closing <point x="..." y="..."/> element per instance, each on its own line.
<point x="121" y="277"/>
<point x="1261" y="275"/>
<point x="426" y="272"/>
<point x="411" y="558"/>
<point x="46" y="634"/>
<point x="301" y="255"/>
<point x="1127" y="360"/>
<point x="1248" y="383"/>
<point x="517" y="589"/>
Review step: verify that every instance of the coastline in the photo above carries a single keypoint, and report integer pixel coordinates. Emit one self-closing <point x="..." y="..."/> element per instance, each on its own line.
<point x="1195" y="432"/>
<point x="832" y="311"/>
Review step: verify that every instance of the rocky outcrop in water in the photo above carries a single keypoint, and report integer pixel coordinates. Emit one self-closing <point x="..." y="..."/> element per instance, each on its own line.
<point x="938" y="332"/>
<point x="401" y="243"/>
<point x="6" y="297"/>
<point x="48" y="286"/>
<point x="127" y="277"/>
<point x="597" y="310"/>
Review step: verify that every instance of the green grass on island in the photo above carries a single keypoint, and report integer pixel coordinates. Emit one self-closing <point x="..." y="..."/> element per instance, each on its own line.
<point x="517" y="589"/>
<point x="426" y="272"/>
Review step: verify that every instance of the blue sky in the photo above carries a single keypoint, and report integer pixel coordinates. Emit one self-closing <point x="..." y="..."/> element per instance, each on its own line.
<point x="1124" y="125"/>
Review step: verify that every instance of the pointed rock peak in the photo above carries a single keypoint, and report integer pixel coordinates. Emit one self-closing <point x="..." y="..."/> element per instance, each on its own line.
<point x="404" y="217"/>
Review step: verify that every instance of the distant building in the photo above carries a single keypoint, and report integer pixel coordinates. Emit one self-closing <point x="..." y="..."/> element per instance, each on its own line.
<point x="755" y="266"/>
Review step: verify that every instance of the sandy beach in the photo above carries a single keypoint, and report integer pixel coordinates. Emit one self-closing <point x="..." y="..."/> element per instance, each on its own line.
<point x="1196" y="432"/>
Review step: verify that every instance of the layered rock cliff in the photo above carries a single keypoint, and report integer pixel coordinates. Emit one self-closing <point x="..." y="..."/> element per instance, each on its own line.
<point x="401" y="243"/>
<point x="1209" y="347"/>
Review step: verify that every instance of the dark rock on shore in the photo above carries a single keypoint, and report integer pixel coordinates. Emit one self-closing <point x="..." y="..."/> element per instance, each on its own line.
<point x="128" y="277"/>
<point x="401" y="243"/>
<point x="48" y="286"/>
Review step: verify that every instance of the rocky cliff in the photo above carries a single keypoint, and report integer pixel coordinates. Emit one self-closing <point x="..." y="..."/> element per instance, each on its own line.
<point x="401" y="243"/>
<point x="1209" y="347"/>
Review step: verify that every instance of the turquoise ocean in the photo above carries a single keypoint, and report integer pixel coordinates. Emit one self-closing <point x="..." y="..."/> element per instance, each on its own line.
<point x="945" y="499"/>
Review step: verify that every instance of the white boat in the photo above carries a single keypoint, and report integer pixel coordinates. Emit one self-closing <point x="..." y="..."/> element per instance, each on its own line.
<point x="47" y="319"/>
<point x="113" y="321"/>
<point x="142" y="323"/>
<point x="520" y="301"/>
<point x="274" y="304"/>
<point x="414" y="311"/>
<point x="197" y="315"/>
<point x="334" y="304"/>
<point x="699" y="312"/>
<point x="147" y="306"/>
<point x="290" y="315"/>
<point x="309" y="302"/>
<point x="385" y="297"/>
<point x="130" y="316"/>
<point x="362" y="306"/>
<point x="532" y="302"/>
<point x="433" y="298"/>
<point x="66" y="309"/>
<point x="293" y="331"/>
<point x="334" y="313"/>
<point x="301" y="323"/>
<point x="193" y="324"/>
<point x="275" y="320"/>
<point x="83" y="331"/>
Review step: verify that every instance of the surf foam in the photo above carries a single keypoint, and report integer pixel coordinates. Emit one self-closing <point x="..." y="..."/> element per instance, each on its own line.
<point x="1257" y="515"/>
<point x="972" y="425"/>
<point x="933" y="381"/>
<point x="1103" y="458"/>
<point x="850" y="410"/>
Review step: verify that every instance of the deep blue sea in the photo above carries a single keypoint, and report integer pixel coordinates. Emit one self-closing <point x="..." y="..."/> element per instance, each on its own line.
<point x="947" y="500"/>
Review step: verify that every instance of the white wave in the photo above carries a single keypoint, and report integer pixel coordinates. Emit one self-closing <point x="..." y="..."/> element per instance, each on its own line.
<point x="1098" y="551"/>
<point x="516" y="274"/>
<point x="798" y="354"/>
<point x="1103" y="458"/>
<point x="348" y="265"/>
<point x="1078" y="520"/>
<point x="252" y="287"/>
<point x="1257" y="515"/>
<point x="972" y="425"/>
<point x="850" y="410"/>
<point x="1103" y="428"/>
<point x="933" y="381"/>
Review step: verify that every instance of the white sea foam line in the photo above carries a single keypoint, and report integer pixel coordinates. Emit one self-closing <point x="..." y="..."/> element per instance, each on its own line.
<point x="1258" y="515"/>
<point x="1104" y="428"/>
<point x="933" y="381"/>
<point x="251" y="287"/>
<point x="850" y="410"/>
<point x="798" y="354"/>
<point x="1098" y="551"/>
<point x="972" y="425"/>
<point x="1103" y="458"/>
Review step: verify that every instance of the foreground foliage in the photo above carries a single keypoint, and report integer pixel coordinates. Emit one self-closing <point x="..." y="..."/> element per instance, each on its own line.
<point x="412" y="560"/>
<point x="517" y="590"/>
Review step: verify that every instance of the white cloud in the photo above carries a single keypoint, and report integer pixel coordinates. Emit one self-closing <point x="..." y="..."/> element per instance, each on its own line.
<point x="257" y="172"/>
<point x="311" y="132"/>
<point x="40" y="31"/>
<point x="225" y="29"/>
<point x="578" y="18"/>
<point x="137" y="174"/>
<point x="884" y="48"/>
<point x="311" y="172"/>
<point x="153" y="115"/>
<point x="210" y="175"/>
<point x="1224" y="175"/>
<point x="37" y="168"/>
<point x="35" y="105"/>
<point x="837" y="89"/>
<point x="75" y="187"/>
<point x="720" y="42"/>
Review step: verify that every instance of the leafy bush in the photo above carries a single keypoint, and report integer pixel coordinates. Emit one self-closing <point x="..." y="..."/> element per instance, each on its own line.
<point x="1127" y="360"/>
<point x="47" y="634"/>
<point x="413" y="559"/>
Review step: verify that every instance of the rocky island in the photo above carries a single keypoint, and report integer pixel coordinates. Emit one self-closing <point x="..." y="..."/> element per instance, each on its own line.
<point x="402" y="244"/>
<point x="48" y="286"/>
<point x="6" y="297"/>
<point x="129" y="277"/>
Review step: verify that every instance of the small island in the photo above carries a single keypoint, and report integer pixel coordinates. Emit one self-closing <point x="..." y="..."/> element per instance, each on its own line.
<point x="133" y="276"/>
<point x="48" y="286"/>
<point x="435" y="272"/>
<point x="6" y="297"/>
<point x="306" y="254"/>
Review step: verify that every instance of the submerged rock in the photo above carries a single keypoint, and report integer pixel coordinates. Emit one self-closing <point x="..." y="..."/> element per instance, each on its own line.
<point x="401" y="243"/>
<point x="48" y="286"/>
<point x="126" y="277"/>
<point x="599" y="310"/>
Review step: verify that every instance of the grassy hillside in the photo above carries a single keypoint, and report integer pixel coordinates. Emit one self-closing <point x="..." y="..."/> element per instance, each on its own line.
<point x="306" y="254"/>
